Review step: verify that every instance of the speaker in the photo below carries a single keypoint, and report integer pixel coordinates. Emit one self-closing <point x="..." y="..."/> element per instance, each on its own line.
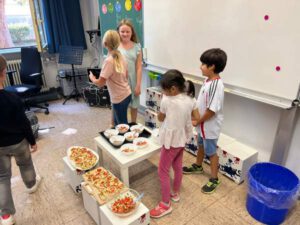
<point x="95" y="96"/>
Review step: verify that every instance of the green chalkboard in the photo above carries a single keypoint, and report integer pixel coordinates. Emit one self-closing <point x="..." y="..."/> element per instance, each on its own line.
<point x="113" y="11"/>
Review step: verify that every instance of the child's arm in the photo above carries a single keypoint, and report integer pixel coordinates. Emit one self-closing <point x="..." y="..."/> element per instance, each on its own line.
<point x="195" y="117"/>
<point x="206" y="116"/>
<point x="99" y="82"/>
<point x="161" y="117"/>
<point x="138" y="65"/>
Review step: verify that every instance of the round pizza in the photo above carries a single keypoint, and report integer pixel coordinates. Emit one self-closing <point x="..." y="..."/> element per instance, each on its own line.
<point x="83" y="158"/>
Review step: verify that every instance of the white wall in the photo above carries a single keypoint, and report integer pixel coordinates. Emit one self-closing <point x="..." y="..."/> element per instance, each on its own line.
<point x="294" y="154"/>
<point x="176" y="33"/>
<point x="250" y="122"/>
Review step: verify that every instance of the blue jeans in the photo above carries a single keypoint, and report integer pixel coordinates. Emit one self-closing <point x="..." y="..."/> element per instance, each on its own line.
<point x="209" y="145"/>
<point x="120" y="111"/>
<point x="22" y="155"/>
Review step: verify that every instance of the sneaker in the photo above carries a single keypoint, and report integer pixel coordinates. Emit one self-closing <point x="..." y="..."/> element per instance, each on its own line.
<point x="175" y="197"/>
<point x="194" y="168"/>
<point x="7" y="219"/>
<point x="160" y="210"/>
<point x="35" y="186"/>
<point x="211" y="186"/>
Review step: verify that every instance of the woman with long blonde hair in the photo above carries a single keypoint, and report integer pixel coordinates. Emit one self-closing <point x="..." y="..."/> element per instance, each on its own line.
<point x="114" y="75"/>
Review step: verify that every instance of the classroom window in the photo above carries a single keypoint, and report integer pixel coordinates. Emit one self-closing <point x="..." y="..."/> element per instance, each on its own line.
<point x="21" y="24"/>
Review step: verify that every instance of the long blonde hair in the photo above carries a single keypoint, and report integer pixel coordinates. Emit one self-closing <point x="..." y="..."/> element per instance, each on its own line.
<point x="111" y="40"/>
<point x="127" y="22"/>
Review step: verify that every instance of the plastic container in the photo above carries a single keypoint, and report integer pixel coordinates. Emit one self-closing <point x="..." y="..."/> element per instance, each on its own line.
<point x="272" y="191"/>
<point x="154" y="76"/>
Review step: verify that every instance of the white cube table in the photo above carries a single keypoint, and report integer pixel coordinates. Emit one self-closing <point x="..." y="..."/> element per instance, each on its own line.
<point x="90" y="204"/>
<point x="140" y="217"/>
<point x="123" y="161"/>
<point x="72" y="176"/>
<point x="235" y="159"/>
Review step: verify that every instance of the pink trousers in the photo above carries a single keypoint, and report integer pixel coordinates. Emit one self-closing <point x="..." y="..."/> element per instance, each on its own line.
<point x="170" y="157"/>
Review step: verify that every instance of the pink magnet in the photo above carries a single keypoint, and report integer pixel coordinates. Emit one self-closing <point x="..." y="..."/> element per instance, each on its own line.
<point x="278" y="68"/>
<point x="104" y="9"/>
<point x="266" y="17"/>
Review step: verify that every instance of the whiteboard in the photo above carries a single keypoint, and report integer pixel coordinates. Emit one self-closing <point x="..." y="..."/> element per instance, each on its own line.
<point x="258" y="37"/>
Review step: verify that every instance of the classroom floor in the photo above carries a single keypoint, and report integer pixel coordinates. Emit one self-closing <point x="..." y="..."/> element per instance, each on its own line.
<point x="55" y="203"/>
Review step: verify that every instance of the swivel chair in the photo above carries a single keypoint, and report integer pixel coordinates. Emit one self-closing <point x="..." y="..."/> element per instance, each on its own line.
<point x="31" y="77"/>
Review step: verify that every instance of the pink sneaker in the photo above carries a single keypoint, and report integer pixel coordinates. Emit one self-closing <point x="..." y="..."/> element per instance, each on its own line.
<point x="8" y="220"/>
<point x="175" y="197"/>
<point x="160" y="210"/>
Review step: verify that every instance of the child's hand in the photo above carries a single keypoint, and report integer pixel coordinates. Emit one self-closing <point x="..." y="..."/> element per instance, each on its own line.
<point x="137" y="90"/>
<point x="195" y="123"/>
<point x="33" y="148"/>
<point x="91" y="76"/>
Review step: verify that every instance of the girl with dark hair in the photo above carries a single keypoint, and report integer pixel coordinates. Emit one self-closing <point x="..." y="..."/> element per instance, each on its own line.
<point x="176" y="112"/>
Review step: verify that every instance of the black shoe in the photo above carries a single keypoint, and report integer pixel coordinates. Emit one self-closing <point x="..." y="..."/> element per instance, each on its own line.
<point x="211" y="186"/>
<point x="194" y="168"/>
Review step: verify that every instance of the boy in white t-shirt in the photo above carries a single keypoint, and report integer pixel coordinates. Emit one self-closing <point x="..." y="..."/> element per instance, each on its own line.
<point x="210" y="104"/>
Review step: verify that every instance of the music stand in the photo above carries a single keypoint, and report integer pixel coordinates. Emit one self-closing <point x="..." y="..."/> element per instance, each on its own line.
<point x="71" y="55"/>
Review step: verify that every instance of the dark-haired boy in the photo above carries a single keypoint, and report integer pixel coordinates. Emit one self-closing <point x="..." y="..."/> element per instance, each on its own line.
<point x="210" y="104"/>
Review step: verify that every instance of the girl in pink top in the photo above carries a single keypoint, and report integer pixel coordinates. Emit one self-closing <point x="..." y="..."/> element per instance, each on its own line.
<point x="176" y="112"/>
<point x="114" y="75"/>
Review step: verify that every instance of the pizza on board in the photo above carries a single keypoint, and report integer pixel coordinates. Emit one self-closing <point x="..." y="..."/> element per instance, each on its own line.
<point x="103" y="183"/>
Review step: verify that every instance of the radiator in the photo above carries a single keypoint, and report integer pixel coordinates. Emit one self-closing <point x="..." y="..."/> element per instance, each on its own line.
<point x="16" y="65"/>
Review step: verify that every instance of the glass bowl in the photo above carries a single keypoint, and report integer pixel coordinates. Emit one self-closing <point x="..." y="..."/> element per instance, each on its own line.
<point x="125" y="204"/>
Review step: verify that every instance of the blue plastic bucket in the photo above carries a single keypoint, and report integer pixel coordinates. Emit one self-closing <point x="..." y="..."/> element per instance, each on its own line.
<point x="272" y="191"/>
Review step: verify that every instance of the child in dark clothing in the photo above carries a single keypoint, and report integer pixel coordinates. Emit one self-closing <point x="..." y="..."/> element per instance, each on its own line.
<point x="15" y="137"/>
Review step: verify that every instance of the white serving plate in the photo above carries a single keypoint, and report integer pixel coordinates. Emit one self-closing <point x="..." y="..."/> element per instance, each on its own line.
<point x="74" y="164"/>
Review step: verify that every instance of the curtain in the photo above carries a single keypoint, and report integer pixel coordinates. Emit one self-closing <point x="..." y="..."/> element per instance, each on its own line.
<point x="63" y="24"/>
<point x="5" y="38"/>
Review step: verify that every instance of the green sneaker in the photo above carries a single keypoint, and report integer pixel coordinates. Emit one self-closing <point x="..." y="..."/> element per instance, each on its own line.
<point x="211" y="186"/>
<point x="194" y="168"/>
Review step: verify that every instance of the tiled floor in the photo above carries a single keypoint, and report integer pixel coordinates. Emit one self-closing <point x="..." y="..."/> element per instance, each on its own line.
<point x="56" y="204"/>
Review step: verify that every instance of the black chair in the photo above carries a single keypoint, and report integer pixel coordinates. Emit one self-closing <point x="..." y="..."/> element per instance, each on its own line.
<point x="31" y="77"/>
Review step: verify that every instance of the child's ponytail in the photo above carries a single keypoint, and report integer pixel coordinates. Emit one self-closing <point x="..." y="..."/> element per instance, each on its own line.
<point x="111" y="40"/>
<point x="190" y="88"/>
<point x="118" y="65"/>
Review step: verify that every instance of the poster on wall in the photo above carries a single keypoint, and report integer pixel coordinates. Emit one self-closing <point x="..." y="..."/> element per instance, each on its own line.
<point x="113" y="11"/>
